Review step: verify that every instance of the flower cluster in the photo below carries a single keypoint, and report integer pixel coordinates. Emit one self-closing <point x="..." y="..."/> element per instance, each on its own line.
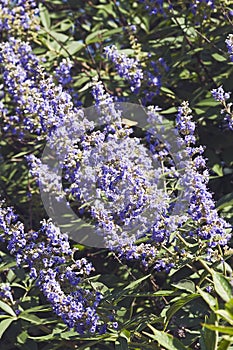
<point x="154" y="7"/>
<point x="118" y="182"/>
<point x="64" y="77"/>
<point x="127" y="68"/>
<point x="153" y="77"/>
<point x="21" y="74"/>
<point x="202" y="5"/>
<point x="221" y="96"/>
<point x="110" y="168"/>
<point x="63" y="280"/>
<point x="39" y="104"/>
<point x="229" y="43"/>
<point x="6" y="292"/>
<point x="142" y="189"/>
<point x="18" y="18"/>
<point x="202" y="207"/>
<point x="63" y="72"/>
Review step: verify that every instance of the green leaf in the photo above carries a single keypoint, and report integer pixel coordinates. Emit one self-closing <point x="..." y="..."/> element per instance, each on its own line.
<point x="59" y="36"/>
<point x="111" y="32"/>
<point x="41" y="308"/>
<point x="31" y="318"/>
<point x="226" y="315"/>
<point x="74" y="46"/>
<point x="160" y="293"/>
<point x="208" y="339"/>
<point x="5" y="324"/>
<point x="168" y="92"/>
<point x="80" y="81"/>
<point x="22" y="337"/>
<point x="44" y="16"/>
<point x="86" y="86"/>
<point x="108" y="8"/>
<point x="178" y="305"/>
<point x="185" y="284"/>
<point x="170" y="110"/>
<point x="125" y="334"/>
<point x="43" y="338"/>
<point x="208" y="298"/>
<point x="166" y="340"/>
<point x="222" y="286"/>
<point x="218" y="57"/>
<point x="224" y="344"/>
<point x="5" y="307"/>
<point x="100" y="287"/>
<point x="229" y="307"/>
<point x="221" y="329"/>
<point x="208" y="102"/>
<point x="95" y="37"/>
<point x="7" y="266"/>
<point x="4" y="316"/>
<point x="121" y="344"/>
<point x="225" y="201"/>
<point x="134" y="284"/>
<point x="217" y="168"/>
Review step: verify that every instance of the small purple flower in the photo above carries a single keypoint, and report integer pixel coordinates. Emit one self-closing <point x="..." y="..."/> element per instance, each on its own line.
<point x="61" y="279"/>
<point x="18" y="18"/>
<point x="229" y="43"/>
<point x="5" y="292"/>
<point x="63" y="72"/>
<point x="127" y="68"/>
<point x="154" y="6"/>
<point x="220" y="95"/>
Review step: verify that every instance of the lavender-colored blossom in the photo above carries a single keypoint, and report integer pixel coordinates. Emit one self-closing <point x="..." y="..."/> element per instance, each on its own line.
<point x="154" y="6"/>
<point x="63" y="72"/>
<point x="62" y="279"/>
<point x="127" y="68"/>
<point x="6" y="292"/>
<point x="229" y="43"/>
<point x="40" y="104"/>
<point x="153" y="77"/>
<point x="64" y="77"/>
<point x="110" y="168"/>
<point x="202" y="210"/>
<point x="18" y="18"/>
<point x="202" y="4"/>
<point x="115" y="184"/>
<point x="221" y="96"/>
<point x="185" y="124"/>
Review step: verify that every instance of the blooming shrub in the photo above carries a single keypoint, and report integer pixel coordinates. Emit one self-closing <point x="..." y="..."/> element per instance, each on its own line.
<point x="112" y="219"/>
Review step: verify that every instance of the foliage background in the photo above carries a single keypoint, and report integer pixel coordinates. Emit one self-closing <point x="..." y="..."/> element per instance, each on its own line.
<point x="154" y="310"/>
